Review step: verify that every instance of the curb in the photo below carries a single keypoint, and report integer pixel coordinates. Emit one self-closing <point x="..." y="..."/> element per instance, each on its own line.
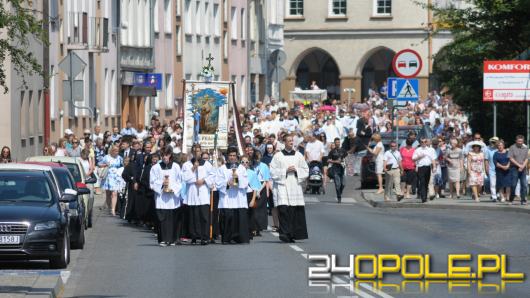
<point x="52" y="285"/>
<point x="377" y="204"/>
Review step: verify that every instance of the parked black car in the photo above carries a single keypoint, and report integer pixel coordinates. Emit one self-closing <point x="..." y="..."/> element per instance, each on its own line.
<point x="75" y="209"/>
<point x="368" y="176"/>
<point x="32" y="222"/>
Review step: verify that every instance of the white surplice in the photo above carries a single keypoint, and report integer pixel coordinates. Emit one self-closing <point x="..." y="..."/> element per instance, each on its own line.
<point x="287" y="186"/>
<point x="197" y="195"/>
<point x="166" y="200"/>
<point x="232" y="197"/>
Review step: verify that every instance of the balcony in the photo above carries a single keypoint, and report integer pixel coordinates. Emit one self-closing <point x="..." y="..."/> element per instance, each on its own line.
<point x="87" y="33"/>
<point x="134" y="58"/>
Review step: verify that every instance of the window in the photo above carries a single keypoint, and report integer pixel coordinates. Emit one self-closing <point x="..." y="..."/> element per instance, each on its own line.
<point x="31" y="114"/>
<point x="114" y="101"/>
<point x="156" y="19"/>
<point x="216" y="20"/>
<point x="179" y="40"/>
<point x="178" y="8"/>
<point x="23" y="124"/>
<point x="225" y="10"/>
<point x="233" y="24"/>
<point x="296" y="8"/>
<point x="243" y="91"/>
<point x="383" y="7"/>
<point x="169" y="91"/>
<point x="106" y="94"/>
<point x="198" y="21"/>
<point x="52" y="92"/>
<point x="225" y="45"/>
<point x="206" y="19"/>
<point x="147" y="22"/>
<point x="167" y="17"/>
<point x="243" y="24"/>
<point x="187" y="12"/>
<point x="337" y="7"/>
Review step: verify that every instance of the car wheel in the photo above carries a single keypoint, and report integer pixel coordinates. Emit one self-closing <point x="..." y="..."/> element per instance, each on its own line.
<point x="80" y="241"/>
<point x="61" y="261"/>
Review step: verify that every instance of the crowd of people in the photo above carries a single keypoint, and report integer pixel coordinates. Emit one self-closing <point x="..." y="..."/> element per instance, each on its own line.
<point x="204" y="196"/>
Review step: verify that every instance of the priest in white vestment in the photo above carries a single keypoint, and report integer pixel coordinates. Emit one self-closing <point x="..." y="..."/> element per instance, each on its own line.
<point x="233" y="205"/>
<point x="288" y="170"/>
<point x="198" y="175"/>
<point x="165" y="181"/>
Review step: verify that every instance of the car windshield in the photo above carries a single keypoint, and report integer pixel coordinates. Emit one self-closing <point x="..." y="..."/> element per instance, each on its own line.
<point x="74" y="170"/>
<point x="21" y="187"/>
<point x="64" y="179"/>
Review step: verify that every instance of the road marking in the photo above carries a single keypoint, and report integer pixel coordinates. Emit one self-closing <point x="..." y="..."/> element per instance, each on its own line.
<point x="339" y="280"/>
<point x="295" y="247"/>
<point x="378" y="292"/>
<point x="275" y="234"/>
<point x="65" y="275"/>
<point x="304" y="255"/>
<point x="311" y="200"/>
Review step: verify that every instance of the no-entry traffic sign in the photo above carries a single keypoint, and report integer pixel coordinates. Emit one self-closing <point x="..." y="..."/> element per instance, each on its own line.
<point x="407" y="63"/>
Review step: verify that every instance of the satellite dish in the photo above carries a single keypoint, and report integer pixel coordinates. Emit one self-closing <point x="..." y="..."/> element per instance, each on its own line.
<point x="278" y="57"/>
<point x="278" y="74"/>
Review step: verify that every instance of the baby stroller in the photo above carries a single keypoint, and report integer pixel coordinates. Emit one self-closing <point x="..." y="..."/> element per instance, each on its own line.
<point x="315" y="181"/>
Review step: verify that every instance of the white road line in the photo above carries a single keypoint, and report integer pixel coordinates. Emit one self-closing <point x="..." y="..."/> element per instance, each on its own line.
<point x="65" y="275"/>
<point x="304" y="255"/>
<point x="275" y="234"/>
<point x="295" y="247"/>
<point x="378" y="292"/>
<point x="339" y="280"/>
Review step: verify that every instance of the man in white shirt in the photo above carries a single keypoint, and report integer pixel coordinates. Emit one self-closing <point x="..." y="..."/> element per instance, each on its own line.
<point x="332" y="130"/>
<point x="392" y="167"/>
<point x="425" y="159"/>
<point x="290" y="124"/>
<point x="314" y="150"/>
<point x="97" y="134"/>
<point x="274" y="105"/>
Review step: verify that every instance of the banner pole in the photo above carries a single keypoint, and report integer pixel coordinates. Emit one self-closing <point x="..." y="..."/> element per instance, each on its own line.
<point x="494" y="118"/>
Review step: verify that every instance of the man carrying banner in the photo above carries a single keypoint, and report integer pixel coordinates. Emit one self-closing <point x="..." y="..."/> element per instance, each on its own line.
<point x="288" y="170"/>
<point x="198" y="175"/>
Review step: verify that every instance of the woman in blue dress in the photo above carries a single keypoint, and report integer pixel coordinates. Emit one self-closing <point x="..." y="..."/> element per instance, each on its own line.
<point x="502" y="171"/>
<point x="112" y="181"/>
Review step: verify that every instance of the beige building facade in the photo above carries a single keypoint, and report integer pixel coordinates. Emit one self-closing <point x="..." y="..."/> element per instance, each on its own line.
<point x="343" y="44"/>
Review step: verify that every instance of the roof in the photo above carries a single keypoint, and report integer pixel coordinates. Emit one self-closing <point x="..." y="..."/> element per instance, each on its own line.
<point x="23" y="166"/>
<point x="63" y="159"/>
<point x="45" y="163"/>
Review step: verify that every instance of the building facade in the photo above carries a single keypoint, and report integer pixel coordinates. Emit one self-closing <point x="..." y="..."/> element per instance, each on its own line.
<point x="22" y="114"/>
<point x="266" y="37"/>
<point x="344" y="44"/>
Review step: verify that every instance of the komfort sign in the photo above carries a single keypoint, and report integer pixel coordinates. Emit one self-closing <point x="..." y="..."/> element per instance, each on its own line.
<point x="506" y="81"/>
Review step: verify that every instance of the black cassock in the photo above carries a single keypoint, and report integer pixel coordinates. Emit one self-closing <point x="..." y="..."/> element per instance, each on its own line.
<point x="129" y="176"/>
<point x="145" y="198"/>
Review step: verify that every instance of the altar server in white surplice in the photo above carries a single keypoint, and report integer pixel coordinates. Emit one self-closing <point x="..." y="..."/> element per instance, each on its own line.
<point x="289" y="170"/>
<point x="199" y="176"/>
<point x="165" y="181"/>
<point x="232" y="183"/>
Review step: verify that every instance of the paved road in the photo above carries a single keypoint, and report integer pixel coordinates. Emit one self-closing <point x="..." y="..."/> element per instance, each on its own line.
<point x="124" y="261"/>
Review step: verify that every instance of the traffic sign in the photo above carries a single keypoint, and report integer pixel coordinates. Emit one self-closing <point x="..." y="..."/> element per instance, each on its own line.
<point x="76" y="94"/>
<point x="407" y="90"/>
<point x="72" y="65"/>
<point x="391" y="84"/>
<point x="407" y="63"/>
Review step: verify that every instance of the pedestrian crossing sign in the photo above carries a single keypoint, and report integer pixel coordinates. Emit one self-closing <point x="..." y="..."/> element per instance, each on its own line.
<point x="407" y="90"/>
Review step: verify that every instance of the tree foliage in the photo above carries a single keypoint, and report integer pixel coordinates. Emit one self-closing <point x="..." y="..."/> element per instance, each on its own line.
<point x="19" y="25"/>
<point x="484" y="30"/>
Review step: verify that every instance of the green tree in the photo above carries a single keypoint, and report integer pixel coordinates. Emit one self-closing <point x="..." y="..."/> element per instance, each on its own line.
<point x="19" y="25"/>
<point x="484" y="30"/>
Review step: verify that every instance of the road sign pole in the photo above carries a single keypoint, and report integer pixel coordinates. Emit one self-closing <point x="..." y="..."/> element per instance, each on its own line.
<point x="71" y="80"/>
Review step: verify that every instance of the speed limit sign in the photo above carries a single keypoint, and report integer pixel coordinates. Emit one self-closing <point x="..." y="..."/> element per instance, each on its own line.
<point x="407" y="63"/>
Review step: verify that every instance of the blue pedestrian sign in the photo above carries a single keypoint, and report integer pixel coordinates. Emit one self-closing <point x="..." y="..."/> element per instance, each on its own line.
<point x="391" y="84"/>
<point x="406" y="90"/>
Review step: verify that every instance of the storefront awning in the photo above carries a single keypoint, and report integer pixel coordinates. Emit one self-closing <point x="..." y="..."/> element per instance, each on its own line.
<point x="142" y="91"/>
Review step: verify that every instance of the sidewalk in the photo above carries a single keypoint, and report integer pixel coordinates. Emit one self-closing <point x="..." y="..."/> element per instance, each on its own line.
<point x="28" y="283"/>
<point x="465" y="202"/>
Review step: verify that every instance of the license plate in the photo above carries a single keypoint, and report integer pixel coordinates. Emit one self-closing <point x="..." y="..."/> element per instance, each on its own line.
<point x="9" y="239"/>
